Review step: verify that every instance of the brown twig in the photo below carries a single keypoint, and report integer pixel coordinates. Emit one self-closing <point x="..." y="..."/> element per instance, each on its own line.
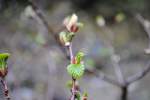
<point x="6" y="91"/>
<point x="73" y="90"/>
<point x="146" y="25"/>
<point x="114" y="57"/>
<point x="139" y="75"/>
<point x="51" y="32"/>
<point x="104" y="77"/>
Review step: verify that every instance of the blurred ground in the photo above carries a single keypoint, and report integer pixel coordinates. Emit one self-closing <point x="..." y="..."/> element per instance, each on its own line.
<point x="38" y="72"/>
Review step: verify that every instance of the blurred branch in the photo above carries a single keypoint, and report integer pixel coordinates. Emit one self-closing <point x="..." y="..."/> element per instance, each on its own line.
<point x="139" y="75"/>
<point x="41" y="17"/>
<point x="115" y="62"/>
<point x="105" y="78"/>
<point x="146" y="25"/>
<point x="114" y="57"/>
<point x="6" y="91"/>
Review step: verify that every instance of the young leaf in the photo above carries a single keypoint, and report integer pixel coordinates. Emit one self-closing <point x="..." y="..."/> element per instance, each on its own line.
<point x="76" y="70"/>
<point x="3" y="64"/>
<point x="79" y="57"/>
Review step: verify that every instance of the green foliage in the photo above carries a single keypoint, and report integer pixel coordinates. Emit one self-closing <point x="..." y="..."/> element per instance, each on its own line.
<point x="85" y="94"/>
<point x="3" y="60"/>
<point x="78" y="96"/>
<point x="76" y="70"/>
<point x="65" y="37"/>
<point x="79" y="57"/>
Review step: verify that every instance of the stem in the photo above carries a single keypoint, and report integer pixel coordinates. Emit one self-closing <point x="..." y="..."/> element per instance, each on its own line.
<point x="6" y="91"/>
<point x="117" y="68"/>
<point x="124" y="90"/>
<point x="73" y="90"/>
<point x="70" y="52"/>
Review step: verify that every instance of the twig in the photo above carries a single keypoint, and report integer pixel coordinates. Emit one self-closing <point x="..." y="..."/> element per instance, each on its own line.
<point x="6" y="91"/>
<point x="117" y="68"/>
<point x="70" y="52"/>
<point x="114" y="57"/>
<point x="41" y="17"/>
<point x="139" y="75"/>
<point x="73" y="90"/>
<point x="105" y="78"/>
<point x="146" y="25"/>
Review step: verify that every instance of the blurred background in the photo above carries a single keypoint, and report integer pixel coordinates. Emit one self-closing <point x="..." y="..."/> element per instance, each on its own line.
<point x="37" y="66"/>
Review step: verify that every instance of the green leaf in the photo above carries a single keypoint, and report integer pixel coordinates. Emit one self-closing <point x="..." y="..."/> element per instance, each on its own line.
<point x="76" y="70"/>
<point x="85" y="94"/>
<point x="3" y="60"/>
<point x="79" y="57"/>
<point x="70" y="36"/>
<point x="78" y="96"/>
<point x="65" y="37"/>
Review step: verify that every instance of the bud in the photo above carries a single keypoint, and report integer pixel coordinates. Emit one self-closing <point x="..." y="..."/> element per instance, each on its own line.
<point x="3" y="64"/>
<point x="85" y="96"/>
<point x="66" y="38"/>
<point x="72" y="23"/>
<point x="79" y="57"/>
<point x="100" y="21"/>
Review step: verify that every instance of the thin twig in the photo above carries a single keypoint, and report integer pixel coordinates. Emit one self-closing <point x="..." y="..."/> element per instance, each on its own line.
<point x="139" y="75"/>
<point x="146" y="25"/>
<point x="6" y="91"/>
<point x="70" y="52"/>
<point x="41" y="17"/>
<point x="105" y="78"/>
<point x="73" y="90"/>
<point x="114" y="57"/>
<point x="117" y="68"/>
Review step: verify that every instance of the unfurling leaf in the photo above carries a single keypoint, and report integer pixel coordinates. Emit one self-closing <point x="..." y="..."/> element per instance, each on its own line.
<point x="85" y="96"/>
<point x="3" y="64"/>
<point x="66" y="38"/>
<point x="78" y="95"/>
<point x="76" y="70"/>
<point x="79" y="57"/>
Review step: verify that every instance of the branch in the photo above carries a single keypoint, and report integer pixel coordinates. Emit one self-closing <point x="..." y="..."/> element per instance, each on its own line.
<point x="73" y="90"/>
<point x="115" y="62"/>
<point x="114" y="57"/>
<point x="139" y="75"/>
<point x="6" y="91"/>
<point x="105" y="78"/>
<point x="54" y="34"/>
<point x="146" y="25"/>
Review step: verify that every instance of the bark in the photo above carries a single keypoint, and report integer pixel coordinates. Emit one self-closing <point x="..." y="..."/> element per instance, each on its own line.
<point x="124" y="95"/>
